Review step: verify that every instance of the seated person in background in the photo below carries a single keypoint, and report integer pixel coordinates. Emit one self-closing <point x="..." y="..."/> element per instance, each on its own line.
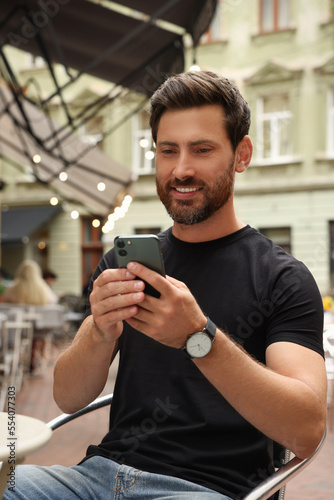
<point x="194" y="423"/>
<point x="29" y="288"/>
<point x="50" y="277"/>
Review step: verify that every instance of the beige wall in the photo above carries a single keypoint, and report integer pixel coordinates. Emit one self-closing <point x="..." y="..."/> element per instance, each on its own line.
<point x="65" y="253"/>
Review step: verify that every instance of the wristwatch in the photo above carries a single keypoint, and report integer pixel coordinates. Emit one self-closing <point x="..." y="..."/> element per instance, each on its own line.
<point x="199" y="344"/>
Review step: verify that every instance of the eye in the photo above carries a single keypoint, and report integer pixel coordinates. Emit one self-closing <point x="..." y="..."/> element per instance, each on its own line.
<point x="167" y="151"/>
<point x="204" y="150"/>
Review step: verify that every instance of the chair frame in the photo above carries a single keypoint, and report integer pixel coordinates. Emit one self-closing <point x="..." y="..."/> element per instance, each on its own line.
<point x="273" y="485"/>
<point x="5" y="361"/>
<point x="329" y="361"/>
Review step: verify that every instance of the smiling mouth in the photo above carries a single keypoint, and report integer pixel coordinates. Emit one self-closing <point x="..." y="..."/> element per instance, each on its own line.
<point x="186" y="190"/>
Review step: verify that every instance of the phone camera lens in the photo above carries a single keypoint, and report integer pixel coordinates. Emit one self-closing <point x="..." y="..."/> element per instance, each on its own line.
<point x="121" y="244"/>
<point x="122" y="253"/>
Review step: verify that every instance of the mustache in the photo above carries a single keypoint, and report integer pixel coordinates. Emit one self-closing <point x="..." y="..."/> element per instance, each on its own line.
<point x="190" y="181"/>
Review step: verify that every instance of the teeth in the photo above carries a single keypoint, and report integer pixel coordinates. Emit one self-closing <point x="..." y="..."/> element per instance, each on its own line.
<point x="186" y="190"/>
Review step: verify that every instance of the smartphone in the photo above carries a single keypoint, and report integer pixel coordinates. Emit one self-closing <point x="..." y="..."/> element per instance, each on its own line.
<point x="142" y="248"/>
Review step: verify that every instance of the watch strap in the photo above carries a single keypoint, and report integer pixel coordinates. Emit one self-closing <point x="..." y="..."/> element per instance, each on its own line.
<point x="210" y="328"/>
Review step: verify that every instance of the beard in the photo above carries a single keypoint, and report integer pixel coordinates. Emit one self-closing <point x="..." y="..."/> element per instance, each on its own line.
<point x="215" y="196"/>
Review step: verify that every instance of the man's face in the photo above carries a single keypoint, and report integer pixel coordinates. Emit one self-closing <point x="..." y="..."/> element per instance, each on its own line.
<point x="194" y="162"/>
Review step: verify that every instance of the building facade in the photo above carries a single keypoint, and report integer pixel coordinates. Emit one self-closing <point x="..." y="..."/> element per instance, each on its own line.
<point x="280" y="53"/>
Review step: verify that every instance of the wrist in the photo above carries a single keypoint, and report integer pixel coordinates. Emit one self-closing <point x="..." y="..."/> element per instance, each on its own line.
<point x="199" y="344"/>
<point x="97" y="334"/>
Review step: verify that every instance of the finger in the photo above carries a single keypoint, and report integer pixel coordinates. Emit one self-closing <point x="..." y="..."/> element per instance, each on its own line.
<point x="119" y="274"/>
<point x="152" y="277"/>
<point x="121" y="288"/>
<point x="177" y="283"/>
<point x="107" y="286"/>
<point x="116" y="302"/>
<point x="112" y="317"/>
<point x="141" y="321"/>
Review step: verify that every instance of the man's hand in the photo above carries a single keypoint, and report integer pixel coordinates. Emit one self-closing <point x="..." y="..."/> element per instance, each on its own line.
<point x="170" y="318"/>
<point x="114" y="298"/>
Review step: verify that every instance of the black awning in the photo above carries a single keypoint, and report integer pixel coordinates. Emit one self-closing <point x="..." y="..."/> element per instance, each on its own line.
<point x="18" y="224"/>
<point x="131" y="50"/>
<point x="135" y="52"/>
<point x="17" y="144"/>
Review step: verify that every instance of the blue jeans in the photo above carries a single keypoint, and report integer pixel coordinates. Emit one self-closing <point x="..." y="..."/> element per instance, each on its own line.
<point x="103" y="479"/>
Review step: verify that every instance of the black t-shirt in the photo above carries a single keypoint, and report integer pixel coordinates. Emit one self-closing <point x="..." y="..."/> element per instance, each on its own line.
<point x="166" y="417"/>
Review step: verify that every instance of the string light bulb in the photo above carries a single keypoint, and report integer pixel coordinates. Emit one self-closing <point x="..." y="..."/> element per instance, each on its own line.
<point x="194" y="67"/>
<point x="63" y="176"/>
<point x="74" y="214"/>
<point x="54" y="201"/>
<point x="36" y="158"/>
<point x="101" y="186"/>
<point x="149" y="155"/>
<point x="117" y="214"/>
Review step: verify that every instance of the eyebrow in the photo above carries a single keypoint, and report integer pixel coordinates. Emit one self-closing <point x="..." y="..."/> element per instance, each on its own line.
<point x="191" y="143"/>
<point x="166" y="143"/>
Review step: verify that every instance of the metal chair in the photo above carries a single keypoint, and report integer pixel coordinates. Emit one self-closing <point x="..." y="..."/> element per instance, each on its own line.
<point x="271" y="487"/>
<point x="329" y="360"/>
<point x="5" y="361"/>
<point x="17" y="341"/>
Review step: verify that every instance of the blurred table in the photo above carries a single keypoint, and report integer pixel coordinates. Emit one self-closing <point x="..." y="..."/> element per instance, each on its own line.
<point x="19" y="436"/>
<point x="74" y="316"/>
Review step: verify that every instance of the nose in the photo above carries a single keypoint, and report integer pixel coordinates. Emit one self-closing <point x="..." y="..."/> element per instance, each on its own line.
<point x="184" y="166"/>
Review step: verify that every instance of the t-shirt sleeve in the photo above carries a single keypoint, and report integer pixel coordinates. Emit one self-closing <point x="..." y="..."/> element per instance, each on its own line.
<point x="297" y="309"/>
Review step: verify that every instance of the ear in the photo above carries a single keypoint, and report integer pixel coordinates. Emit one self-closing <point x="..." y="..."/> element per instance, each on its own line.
<point x="243" y="154"/>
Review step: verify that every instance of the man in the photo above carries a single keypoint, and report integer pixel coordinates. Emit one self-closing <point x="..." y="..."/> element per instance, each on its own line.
<point x="195" y="427"/>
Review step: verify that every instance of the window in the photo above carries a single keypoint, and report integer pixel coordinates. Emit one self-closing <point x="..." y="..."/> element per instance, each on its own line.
<point x="330" y="124"/>
<point x="143" y="153"/>
<point x="274" y="15"/>
<point x="35" y="62"/>
<point x="279" y="235"/>
<point x="214" y="31"/>
<point x="331" y="253"/>
<point x="274" y="128"/>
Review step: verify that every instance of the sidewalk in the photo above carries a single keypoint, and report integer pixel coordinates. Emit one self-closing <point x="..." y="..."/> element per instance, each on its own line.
<point x="68" y="444"/>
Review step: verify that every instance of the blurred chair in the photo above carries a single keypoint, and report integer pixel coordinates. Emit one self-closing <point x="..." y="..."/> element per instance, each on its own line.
<point x="49" y="318"/>
<point x="20" y="339"/>
<point x="5" y="362"/>
<point x="49" y="321"/>
<point x="329" y="359"/>
<point x="15" y="350"/>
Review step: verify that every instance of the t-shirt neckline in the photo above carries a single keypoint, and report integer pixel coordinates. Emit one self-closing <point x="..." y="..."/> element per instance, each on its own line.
<point x="224" y="240"/>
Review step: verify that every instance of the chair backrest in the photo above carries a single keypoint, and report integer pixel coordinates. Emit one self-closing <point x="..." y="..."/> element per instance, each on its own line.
<point x="329" y="340"/>
<point x="3" y="338"/>
<point x="281" y="456"/>
<point x="4" y="361"/>
<point x="267" y="489"/>
<point x="8" y="306"/>
<point x="15" y="323"/>
<point x="49" y="317"/>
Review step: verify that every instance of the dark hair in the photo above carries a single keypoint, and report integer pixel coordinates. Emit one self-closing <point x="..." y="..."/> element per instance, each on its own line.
<point x="47" y="274"/>
<point x="198" y="88"/>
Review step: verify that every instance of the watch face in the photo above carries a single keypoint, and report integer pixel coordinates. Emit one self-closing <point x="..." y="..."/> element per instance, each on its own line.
<point x="198" y="345"/>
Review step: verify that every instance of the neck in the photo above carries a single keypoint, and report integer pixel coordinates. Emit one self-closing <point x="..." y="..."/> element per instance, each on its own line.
<point x="220" y="224"/>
